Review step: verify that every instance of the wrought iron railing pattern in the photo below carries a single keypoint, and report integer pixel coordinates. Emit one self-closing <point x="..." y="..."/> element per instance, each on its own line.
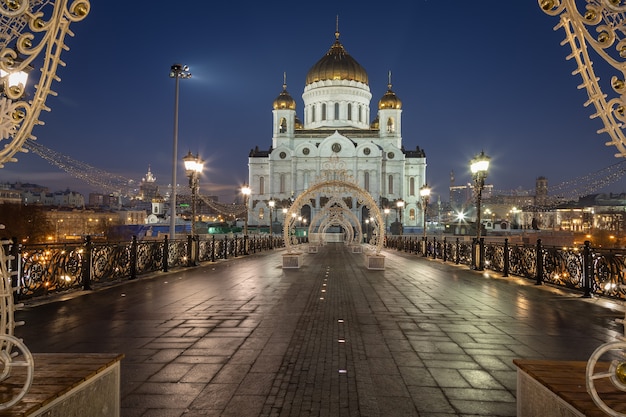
<point x="48" y="268"/>
<point x="594" y="271"/>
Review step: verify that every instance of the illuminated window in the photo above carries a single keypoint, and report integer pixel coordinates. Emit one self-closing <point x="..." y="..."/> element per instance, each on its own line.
<point x="412" y="214"/>
<point x="261" y="213"/>
<point x="283" y="125"/>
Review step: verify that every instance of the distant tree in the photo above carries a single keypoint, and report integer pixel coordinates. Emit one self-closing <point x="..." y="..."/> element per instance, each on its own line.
<point x="25" y="222"/>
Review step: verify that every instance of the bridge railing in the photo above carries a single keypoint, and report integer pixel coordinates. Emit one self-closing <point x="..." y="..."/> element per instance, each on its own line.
<point x="50" y="268"/>
<point x="592" y="271"/>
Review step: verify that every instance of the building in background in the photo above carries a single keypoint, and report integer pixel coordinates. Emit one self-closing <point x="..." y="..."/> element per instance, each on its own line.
<point x="337" y="134"/>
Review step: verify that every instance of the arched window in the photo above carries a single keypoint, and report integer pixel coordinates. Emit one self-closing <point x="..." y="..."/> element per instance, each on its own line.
<point x="390" y="126"/>
<point x="390" y="185"/>
<point x="283" y="125"/>
<point x="262" y="185"/>
<point x="261" y="213"/>
<point x="324" y="111"/>
<point x="336" y="111"/>
<point x="313" y="113"/>
<point x="366" y="181"/>
<point x="412" y="186"/>
<point x="349" y="111"/>
<point x="282" y="183"/>
<point x="360" y="113"/>
<point x="412" y="214"/>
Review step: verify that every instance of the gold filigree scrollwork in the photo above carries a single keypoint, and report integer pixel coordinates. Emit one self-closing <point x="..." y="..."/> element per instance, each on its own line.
<point x="31" y="30"/>
<point x="598" y="26"/>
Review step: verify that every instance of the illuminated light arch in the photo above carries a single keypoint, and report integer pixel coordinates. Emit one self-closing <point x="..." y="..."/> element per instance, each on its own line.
<point x="336" y="188"/>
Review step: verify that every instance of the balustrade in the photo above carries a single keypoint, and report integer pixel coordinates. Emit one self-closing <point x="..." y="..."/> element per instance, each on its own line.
<point x="593" y="271"/>
<point x="47" y="268"/>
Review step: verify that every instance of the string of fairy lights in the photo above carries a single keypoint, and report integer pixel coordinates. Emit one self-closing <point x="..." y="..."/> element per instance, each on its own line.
<point x="569" y="190"/>
<point x="573" y="189"/>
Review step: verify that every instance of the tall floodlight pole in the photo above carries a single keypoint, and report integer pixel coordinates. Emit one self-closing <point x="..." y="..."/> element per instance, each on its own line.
<point x="479" y="167"/>
<point x="177" y="72"/>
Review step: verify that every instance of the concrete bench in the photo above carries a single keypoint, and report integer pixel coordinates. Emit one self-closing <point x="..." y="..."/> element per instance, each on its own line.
<point x="67" y="385"/>
<point x="558" y="388"/>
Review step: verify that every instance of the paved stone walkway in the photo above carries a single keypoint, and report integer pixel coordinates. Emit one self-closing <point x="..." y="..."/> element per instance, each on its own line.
<point x="244" y="337"/>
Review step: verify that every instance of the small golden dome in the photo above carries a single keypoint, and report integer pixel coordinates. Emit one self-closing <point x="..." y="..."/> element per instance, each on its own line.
<point x="298" y="123"/>
<point x="337" y="64"/>
<point x="284" y="100"/>
<point x="375" y="124"/>
<point x="389" y="100"/>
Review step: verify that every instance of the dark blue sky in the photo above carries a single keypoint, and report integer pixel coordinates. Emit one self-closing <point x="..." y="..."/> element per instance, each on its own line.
<point x="472" y="76"/>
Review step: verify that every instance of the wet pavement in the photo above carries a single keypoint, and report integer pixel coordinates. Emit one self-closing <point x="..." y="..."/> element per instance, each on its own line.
<point x="243" y="337"/>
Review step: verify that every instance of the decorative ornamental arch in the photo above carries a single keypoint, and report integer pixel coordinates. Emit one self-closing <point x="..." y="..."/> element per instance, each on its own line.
<point x="336" y="207"/>
<point x="336" y="188"/>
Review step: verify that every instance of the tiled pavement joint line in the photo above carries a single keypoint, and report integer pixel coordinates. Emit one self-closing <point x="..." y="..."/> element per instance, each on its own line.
<point x="325" y="371"/>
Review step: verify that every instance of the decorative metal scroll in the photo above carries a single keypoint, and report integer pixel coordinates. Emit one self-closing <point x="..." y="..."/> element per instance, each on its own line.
<point x="13" y="352"/>
<point x="35" y="27"/>
<point x="335" y="183"/>
<point x="601" y="28"/>
<point x="613" y="353"/>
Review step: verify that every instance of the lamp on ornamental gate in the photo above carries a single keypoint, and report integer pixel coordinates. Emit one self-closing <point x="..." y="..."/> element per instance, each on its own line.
<point x="479" y="167"/>
<point x="193" y="168"/>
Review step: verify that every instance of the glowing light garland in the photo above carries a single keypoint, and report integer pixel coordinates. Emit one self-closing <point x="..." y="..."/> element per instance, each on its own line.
<point x="95" y="177"/>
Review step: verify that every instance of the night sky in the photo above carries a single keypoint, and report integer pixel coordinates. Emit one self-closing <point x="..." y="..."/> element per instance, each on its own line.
<point x="472" y="76"/>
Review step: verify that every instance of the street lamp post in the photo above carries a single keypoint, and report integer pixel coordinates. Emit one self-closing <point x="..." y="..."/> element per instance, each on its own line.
<point x="271" y="204"/>
<point x="246" y="191"/>
<point x="479" y="167"/>
<point x="193" y="168"/>
<point x="425" y="195"/>
<point x="386" y="211"/>
<point x="177" y="72"/>
<point x="400" y="206"/>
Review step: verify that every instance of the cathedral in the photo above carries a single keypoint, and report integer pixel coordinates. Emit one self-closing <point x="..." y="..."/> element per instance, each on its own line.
<point x="337" y="130"/>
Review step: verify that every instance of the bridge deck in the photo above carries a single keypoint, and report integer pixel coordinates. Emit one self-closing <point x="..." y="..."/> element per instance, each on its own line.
<point x="245" y="337"/>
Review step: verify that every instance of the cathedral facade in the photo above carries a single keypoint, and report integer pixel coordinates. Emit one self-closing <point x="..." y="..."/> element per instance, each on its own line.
<point x="337" y="132"/>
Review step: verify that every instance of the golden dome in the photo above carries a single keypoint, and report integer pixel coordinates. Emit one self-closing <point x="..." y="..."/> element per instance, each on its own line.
<point x="337" y="64"/>
<point x="389" y="100"/>
<point x="298" y="123"/>
<point x="284" y="100"/>
<point x="375" y="124"/>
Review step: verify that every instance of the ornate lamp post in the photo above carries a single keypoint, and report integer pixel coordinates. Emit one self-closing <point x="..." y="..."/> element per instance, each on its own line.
<point x="386" y="211"/>
<point x="193" y="168"/>
<point x="479" y="167"/>
<point x="246" y="191"/>
<point x="271" y="204"/>
<point x="425" y="195"/>
<point x="400" y="206"/>
<point x="177" y="72"/>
